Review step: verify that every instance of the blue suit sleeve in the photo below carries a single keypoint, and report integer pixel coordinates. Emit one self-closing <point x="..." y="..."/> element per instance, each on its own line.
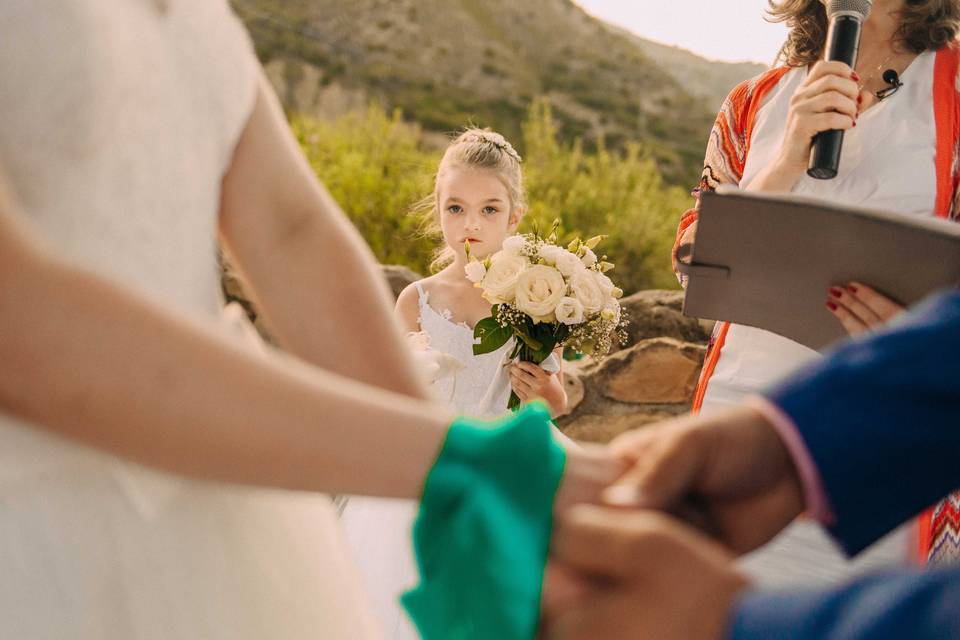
<point x="879" y="418"/>
<point x="883" y="607"/>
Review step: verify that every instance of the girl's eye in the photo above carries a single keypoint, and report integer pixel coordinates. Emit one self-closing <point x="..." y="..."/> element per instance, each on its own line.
<point x="490" y="210"/>
<point x="454" y="208"/>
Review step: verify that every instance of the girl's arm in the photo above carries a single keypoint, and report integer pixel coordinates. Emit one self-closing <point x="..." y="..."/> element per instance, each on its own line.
<point x="407" y="310"/>
<point x="313" y="277"/>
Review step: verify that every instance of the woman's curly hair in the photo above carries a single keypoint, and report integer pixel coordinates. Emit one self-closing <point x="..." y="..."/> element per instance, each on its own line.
<point x="924" y="25"/>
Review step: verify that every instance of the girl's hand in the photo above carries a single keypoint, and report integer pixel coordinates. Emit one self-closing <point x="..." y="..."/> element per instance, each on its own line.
<point x="530" y="381"/>
<point x="829" y="98"/>
<point x="860" y="308"/>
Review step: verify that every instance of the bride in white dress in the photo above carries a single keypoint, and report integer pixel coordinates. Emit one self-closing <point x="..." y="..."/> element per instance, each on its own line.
<point x="131" y="133"/>
<point x="119" y="122"/>
<point x="478" y="199"/>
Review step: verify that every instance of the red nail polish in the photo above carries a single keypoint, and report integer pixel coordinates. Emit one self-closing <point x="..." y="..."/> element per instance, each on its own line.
<point x="854" y="123"/>
<point x="855" y="77"/>
<point x="831" y="306"/>
<point x="859" y="99"/>
<point x="851" y="288"/>
<point x="836" y="292"/>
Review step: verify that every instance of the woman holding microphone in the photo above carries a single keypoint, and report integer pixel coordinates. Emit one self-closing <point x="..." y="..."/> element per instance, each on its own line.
<point x="899" y="154"/>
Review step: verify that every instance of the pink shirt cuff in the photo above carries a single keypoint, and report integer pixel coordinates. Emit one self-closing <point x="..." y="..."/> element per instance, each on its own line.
<point x="818" y="505"/>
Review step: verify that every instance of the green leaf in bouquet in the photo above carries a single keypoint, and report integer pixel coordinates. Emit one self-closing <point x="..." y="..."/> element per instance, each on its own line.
<point x="528" y="340"/>
<point x="492" y="336"/>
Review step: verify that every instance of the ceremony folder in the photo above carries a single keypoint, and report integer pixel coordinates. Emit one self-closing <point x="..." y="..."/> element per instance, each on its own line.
<point x="768" y="261"/>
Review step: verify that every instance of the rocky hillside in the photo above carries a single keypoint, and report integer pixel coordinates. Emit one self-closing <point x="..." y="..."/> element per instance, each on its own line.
<point x="447" y="63"/>
<point x="714" y="80"/>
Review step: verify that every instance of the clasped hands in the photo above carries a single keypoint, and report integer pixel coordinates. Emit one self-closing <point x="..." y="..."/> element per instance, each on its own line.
<point x="655" y="558"/>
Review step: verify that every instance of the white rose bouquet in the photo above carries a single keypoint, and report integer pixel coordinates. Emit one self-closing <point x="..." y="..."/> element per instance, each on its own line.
<point x="544" y="295"/>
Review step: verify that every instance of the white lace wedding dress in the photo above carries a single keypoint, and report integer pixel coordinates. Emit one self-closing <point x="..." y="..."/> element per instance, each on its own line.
<point x="378" y="530"/>
<point x="118" y="119"/>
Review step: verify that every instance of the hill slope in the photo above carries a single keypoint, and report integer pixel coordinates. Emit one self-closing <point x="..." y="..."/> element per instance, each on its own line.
<point x="447" y="63"/>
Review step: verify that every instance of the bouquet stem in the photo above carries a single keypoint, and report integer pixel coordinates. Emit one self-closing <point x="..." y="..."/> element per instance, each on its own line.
<point x="524" y="354"/>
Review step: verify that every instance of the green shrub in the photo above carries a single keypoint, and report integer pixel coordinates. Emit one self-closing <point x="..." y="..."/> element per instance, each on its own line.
<point x="376" y="166"/>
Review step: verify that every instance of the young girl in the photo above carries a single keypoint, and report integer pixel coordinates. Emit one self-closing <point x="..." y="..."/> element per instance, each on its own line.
<point x="478" y="199"/>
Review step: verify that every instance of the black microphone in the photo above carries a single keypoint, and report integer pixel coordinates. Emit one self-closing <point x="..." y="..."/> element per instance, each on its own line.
<point x="843" y="41"/>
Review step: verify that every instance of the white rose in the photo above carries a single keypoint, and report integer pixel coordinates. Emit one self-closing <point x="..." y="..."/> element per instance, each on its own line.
<point x="589" y="257"/>
<point x="611" y="311"/>
<point x="475" y="271"/>
<point x="605" y="283"/>
<point x="549" y="253"/>
<point x="568" y="263"/>
<point x="569" y="311"/>
<point x="539" y="289"/>
<point x="514" y="245"/>
<point x="584" y="288"/>
<point x="500" y="281"/>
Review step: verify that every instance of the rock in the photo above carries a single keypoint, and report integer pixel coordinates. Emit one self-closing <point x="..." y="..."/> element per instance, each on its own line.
<point x="573" y="385"/>
<point x="653" y="371"/>
<point x="399" y="277"/>
<point x="650" y="381"/>
<point x="603" y="428"/>
<point x="658" y="314"/>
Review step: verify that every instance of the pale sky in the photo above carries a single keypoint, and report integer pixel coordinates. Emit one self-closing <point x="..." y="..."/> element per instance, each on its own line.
<point x="732" y="30"/>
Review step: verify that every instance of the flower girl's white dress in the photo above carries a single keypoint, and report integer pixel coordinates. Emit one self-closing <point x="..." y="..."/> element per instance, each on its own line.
<point x="118" y="119"/>
<point x="378" y="530"/>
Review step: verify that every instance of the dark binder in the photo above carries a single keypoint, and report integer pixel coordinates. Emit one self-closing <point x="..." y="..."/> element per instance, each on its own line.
<point x="768" y="261"/>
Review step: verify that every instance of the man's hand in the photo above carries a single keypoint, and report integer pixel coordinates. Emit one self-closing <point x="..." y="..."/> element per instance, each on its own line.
<point x="728" y="474"/>
<point x="637" y="575"/>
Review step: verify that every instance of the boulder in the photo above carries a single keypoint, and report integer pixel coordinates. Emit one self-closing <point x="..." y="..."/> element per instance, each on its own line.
<point x="651" y="378"/>
<point x="604" y="428"/>
<point x="653" y="371"/>
<point x="658" y="314"/>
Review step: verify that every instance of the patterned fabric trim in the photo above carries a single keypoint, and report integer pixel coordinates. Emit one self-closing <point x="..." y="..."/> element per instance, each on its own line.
<point x="945" y="532"/>
<point x="940" y="527"/>
<point x="946" y="85"/>
<point x="710" y="360"/>
<point x="725" y="158"/>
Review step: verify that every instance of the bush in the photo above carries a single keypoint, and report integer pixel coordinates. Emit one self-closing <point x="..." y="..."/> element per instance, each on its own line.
<point x="376" y="166"/>
<point x="621" y="195"/>
<point x="373" y="165"/>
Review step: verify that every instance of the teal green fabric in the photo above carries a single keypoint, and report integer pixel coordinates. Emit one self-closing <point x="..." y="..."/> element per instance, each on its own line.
<point x="483" y="530"/>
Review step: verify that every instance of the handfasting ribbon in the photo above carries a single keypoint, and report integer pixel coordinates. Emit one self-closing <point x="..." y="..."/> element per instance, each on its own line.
<point x="483" y="531"/>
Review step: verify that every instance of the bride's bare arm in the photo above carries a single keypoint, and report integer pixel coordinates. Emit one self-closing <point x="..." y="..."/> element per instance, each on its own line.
<point x="97" y="363"/>
<point x="314" y="278"/>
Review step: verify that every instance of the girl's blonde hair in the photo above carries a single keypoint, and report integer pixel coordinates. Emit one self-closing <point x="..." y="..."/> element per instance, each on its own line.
<point x="476" y="149"/>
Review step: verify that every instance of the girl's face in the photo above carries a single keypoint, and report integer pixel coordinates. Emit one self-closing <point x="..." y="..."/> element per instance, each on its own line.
<point x="474" y="207"/>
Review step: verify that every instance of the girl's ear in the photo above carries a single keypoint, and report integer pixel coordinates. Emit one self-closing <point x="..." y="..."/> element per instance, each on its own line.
<point x="515" y="217"/>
